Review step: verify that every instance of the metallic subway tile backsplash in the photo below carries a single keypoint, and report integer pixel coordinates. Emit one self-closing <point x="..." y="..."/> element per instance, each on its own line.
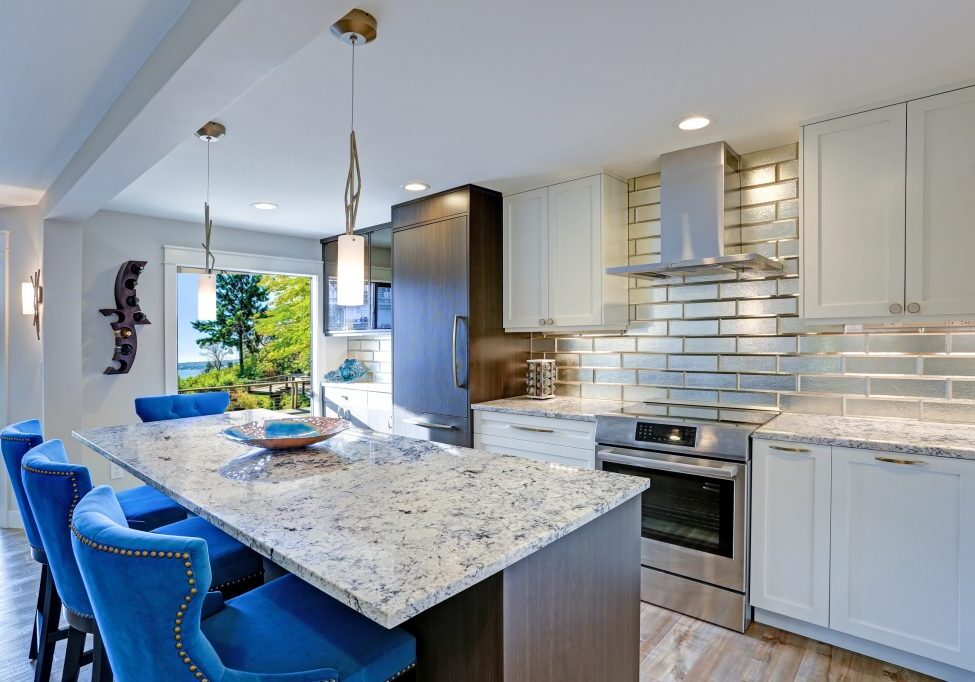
<point x="737" y="341"/>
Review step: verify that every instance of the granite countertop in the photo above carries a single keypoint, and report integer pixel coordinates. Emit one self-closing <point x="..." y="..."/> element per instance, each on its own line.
<point x="388" y="525"/>
<point x="892" y="435"/>
<point x="579" y="409"/>
<point x="375" y="386"/>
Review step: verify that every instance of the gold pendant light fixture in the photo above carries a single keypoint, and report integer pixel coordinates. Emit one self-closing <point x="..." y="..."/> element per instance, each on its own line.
<point x="355" y="28"/>
<point x="206" y="292"/>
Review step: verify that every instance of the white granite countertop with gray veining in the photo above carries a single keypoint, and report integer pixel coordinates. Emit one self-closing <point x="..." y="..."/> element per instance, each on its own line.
<point x="389" y="525"/>
<point x="579" y="409"/>
<point x="935" y="439"/>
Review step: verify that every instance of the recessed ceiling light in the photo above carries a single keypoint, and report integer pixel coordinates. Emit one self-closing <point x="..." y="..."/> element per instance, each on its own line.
<point x="693" y="122"/>
<point x="416" y="186"/>
<point x="264" y="205"/>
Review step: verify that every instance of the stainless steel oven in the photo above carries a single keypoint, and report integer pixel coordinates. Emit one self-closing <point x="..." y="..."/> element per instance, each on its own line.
<point x="695" y="514"/>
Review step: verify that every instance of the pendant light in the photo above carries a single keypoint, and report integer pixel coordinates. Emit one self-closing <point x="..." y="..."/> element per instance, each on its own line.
<point x="206" y="288"/>
<point x="355" y="28"/>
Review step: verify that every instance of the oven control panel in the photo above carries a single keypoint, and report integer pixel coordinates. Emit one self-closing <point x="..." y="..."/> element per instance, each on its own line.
<point x="668" y="434"/>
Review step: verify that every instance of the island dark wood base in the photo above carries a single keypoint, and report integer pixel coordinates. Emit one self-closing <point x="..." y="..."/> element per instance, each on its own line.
<point x="570" y="611"/>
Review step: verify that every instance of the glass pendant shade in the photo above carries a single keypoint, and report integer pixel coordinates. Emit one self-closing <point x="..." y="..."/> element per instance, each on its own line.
<point x="27" y="298"/>
<point x="351" y="269"/>
<point x="206" y="298"/>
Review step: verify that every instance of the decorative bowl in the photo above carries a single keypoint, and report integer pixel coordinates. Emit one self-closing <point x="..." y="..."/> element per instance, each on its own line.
<point x="280" y="434"/>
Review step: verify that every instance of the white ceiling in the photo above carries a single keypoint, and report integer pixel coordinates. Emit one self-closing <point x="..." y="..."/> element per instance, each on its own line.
<point x="511" y="94"/>
<point x="64" y="63"/>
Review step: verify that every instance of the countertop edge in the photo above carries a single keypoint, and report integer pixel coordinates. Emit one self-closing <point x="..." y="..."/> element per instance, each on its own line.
<point x="528" y="411"/>
<point x="770" y="431"/>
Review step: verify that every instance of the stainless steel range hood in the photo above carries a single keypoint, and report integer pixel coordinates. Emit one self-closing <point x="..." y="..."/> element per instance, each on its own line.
<point x="699" y="202"/>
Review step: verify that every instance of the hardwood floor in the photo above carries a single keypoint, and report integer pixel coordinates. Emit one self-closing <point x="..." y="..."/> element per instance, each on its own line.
<point x="673" y="647"/>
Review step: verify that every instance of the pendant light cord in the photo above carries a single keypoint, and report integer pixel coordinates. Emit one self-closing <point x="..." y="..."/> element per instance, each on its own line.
<point x="352" y="116"/>
<point x="208" y="260"/>
<point x="353" y="181"/>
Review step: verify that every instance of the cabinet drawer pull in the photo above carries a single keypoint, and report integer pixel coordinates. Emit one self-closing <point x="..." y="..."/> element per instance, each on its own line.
<point x="534" y="429"/>
<point x="895" y="460"/>
<point x="782" y="448"/>
<point x="430" y="425"/>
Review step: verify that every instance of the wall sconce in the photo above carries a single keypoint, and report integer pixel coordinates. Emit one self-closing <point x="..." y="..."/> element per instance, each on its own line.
<point x="31" y="297"/>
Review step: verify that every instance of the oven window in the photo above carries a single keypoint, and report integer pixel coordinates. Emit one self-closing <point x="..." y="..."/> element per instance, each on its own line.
<point x="686" y="510"/>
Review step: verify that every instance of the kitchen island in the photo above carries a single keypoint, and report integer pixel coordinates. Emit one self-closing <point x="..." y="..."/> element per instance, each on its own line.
<point x="503" y="568"/>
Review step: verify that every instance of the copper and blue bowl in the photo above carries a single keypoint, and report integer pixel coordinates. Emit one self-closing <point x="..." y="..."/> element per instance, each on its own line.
<point x="280" y="434"/>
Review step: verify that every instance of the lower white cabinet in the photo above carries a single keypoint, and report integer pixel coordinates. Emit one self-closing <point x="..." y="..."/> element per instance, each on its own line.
<point x="876" y="545"/>
<point x="790" y="529"/>
<point x="903" y="552"/>
<point x="366" y="409"/>
<point x="546" y="439"/>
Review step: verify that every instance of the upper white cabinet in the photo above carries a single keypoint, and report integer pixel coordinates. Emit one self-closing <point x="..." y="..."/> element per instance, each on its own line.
<point x="941" y="203"/>
<point x="903" y="552"/>
<point x="558" y="242"/>
<point x="853" y="215"/>
<point x="790" y="529"/>
<point x="887" y="202"/>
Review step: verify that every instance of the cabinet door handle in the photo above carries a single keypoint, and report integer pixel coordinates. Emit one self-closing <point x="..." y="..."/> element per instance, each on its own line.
<point x="782" y="448"/>
<point x="534" y="429"/>
<point x="913" y="307"/>
<point x="430" y="425"/>
<point x="453" y="346"/>
<point x="896" y="308"/>
<point x="895" y="460"/>
<point x="549" y="321"/>
<point x="541" y="322"/>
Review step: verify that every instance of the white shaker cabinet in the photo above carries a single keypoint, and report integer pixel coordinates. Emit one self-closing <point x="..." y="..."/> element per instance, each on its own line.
<point x="526" y="259"/>
<point x="364" y="408"/>
<point x="887" y="212"/>
<point x="903" y="552"/>
<point x="558" y="242"/>
<point x="790" y="529"/>
<point x="853" y="215"/>
<point x="941" y="204"/>
<point x="546" y="439"/>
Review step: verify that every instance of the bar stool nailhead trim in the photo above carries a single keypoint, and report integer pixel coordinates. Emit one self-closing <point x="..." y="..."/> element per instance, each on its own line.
<point x="190" y="580"/>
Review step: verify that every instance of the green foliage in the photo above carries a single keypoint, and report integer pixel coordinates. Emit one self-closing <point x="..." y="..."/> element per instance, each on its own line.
<point x="266" y="320"/>
<point x="285" y="329"/>
<point x="241" y="303"/>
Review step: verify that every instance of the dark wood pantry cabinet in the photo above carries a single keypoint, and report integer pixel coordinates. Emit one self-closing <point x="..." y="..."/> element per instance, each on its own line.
<point x="449" y="347"/>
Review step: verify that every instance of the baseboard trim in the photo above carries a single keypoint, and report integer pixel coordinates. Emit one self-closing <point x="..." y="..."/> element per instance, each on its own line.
<point x="862" y="646"/>
<point x="14" y="520"/>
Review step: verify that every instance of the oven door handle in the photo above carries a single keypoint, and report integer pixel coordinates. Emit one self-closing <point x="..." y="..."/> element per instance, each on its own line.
<point x="665" y="465"/>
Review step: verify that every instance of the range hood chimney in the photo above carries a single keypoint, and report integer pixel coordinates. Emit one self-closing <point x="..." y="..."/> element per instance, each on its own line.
<point x="699" y="199"/>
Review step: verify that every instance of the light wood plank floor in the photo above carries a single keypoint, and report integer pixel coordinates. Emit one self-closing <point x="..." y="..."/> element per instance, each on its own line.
<point x="673" y="647"/>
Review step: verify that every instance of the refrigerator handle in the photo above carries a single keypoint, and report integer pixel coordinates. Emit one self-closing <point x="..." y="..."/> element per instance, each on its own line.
<point x="453" y="344"/>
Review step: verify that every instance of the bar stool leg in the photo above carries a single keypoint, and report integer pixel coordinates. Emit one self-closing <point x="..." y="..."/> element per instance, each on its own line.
<point x="73" y="654"/>
<point x="101" y="669"/>
<point x="37" y="614"/>
<point x="48" y="632"/>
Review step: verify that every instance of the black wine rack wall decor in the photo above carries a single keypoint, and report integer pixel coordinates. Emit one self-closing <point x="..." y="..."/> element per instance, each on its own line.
<point x="128" y="316"/>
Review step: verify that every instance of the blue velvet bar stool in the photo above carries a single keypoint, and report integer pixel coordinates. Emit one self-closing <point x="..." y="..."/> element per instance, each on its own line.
<point x="149" y="592"/>
<point x="157" y="408"/>
<point x="53" y="487"/>
<point x="15" y="441"/>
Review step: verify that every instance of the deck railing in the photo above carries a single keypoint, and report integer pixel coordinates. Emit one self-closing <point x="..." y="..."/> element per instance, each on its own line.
<point x="284" y="391"/>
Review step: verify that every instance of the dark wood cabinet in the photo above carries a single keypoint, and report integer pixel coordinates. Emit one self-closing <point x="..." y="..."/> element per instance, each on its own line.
<point x="449" y="347"/>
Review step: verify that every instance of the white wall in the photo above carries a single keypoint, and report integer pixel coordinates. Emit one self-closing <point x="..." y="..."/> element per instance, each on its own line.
<point x="23" y="389"/>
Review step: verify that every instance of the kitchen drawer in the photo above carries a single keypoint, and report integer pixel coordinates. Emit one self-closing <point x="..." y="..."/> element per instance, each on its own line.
<point x="542" y="430"/>
<point x="380" y="412"/>
<point x="440" y="428"/>
<point x="541" y="452"/>
<point x="351" y="405"/>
